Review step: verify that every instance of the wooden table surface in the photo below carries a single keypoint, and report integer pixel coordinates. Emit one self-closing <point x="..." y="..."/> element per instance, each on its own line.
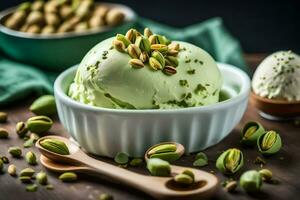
<point x="285" y="165"/>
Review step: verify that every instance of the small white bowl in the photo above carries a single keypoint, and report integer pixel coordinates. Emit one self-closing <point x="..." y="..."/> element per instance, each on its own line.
<point x="105" y="132"/>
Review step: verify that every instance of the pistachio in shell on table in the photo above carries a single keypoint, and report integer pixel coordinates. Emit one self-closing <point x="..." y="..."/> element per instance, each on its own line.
<point x="165" y="152"/>
<point x="3" y="133"/>
<point x="27" y="172"/>
<point x="30" y="158"/>
<point x="251" y="181"/>
<point x="185" y="178"/>
<point x="266" y="174"/>
<point x="230" y="161"/>
<point x="12" y="170"/>
<point x="251" y="132"/>
<point x="39" y="124"/>
<point x="42" y="178"/>
<point x="56" y="146"/>
<point x="21" y="129"/>
<point x="269" y="143"/>
<point x="15" y="151"/>
<point x="158" y="167"/>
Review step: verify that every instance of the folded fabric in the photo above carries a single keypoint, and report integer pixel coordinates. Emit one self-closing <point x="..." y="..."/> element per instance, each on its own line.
<point x="18" y="80"/>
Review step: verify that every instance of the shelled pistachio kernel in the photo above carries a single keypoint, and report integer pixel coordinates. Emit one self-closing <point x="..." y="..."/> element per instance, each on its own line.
<point x="251" y="132"/>
<point x="200" y="160"/>
<point x="105" y="197"/>
<point x="44" y="105"/>
<point x="55" y="146"/>
<point x="269" y="143"/>
<point x="183" y="179"/>
<point x="27" y="172"/>
<point x="136" y="63"/>
<point x="15" y="151"/>
<point x="39" y="124"/>
<point x="123" y="39"/>
<point x="12" y="170"/>
<point x="3" y="133"/>
<point x="3" y="117"/>
<point x="42" y="178"/>
<point x="30" y="158"/>
<point x="158" y="167"/>
<point x="251" y="181"/>
<point x="21" y="129"/>
<point x="32" y="188"/>
<point x="266" y="174"/>
<point x="189" y="173"/>
<point x="121" y="158"/>
<point x="143" y="43"/>
<point x="230" y="161"/>
<point x="68" y="177"/>
<point x="136" y="162"/>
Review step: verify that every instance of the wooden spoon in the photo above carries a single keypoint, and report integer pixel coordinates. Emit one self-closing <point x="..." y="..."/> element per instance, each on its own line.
<point x="158" y="187"/>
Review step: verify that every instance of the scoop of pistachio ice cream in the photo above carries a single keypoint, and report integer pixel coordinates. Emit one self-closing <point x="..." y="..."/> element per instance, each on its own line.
<point x="109" y="77"/>
<point x="278" y="77"/>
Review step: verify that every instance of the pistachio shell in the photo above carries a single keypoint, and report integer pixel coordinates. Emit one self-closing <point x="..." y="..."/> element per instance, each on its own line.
<point x="44" y="105"/>
<point x="231" y="186"/>
<point x="25" y="179"/>
<point x="15" y="151"/>
<point x="119" y="45"/>
<point x="171" y="60"/>
<point x="154" y="64"/>
<point x="39" y="124"/>
<point x="161" y="48"/>
<point x="147" y="32"/>
<point x="123" y="39"/>
<point x="251" y="132"/>
<point x="143" y="43"/>
<point x="167" y="156"/>
<point x="121" y="158"/>
<point x="114" y="17"/>
<point x="266" y="174"/>
<point x="42" y="178"/>
<point x="21" y="129"/>
<point x="251" y="181"/>
<point x="269" y="143"/>
<point x="189" y="173"/>
<point x="30" y="158"/>
<point x="159" y="57"/>
<point x="230" y="161"/>
<point x="134" y="51"/>
<point x="162" y="149"/>
<point x="158" y="167"/>
<point x="169" y="70"/>
<point x="136" y="63"/>
<point x="131" y="35"/>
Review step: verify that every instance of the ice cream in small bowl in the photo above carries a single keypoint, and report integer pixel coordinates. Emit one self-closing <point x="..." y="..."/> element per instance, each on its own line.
<point x="135" y="90"/>
<point x="275" y="86"/>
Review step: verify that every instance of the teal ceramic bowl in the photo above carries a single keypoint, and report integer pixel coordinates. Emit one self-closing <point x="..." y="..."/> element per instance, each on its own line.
<point x="58" y="51"/>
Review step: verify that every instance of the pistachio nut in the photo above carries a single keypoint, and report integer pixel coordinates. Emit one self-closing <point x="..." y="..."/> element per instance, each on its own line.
<point x="157" y="39"/>
<point x="136" y="63"/>
<point x="121" y="158"/>
<point x="119" y="45"/>
<point x="189" y="173"/>
<point x="3" y="117"/>
<point x="144" y="57"/>
<point x="39" y="124"/>
<point x="160" y="47"/>
<point x="12" y="170"/>
<point x="251" y="181"/>
<point x="21" y="129"/>
<point x="123" y="39"/>
<point x="105" y="197"/>
<point x="266" y="174"/>
<point x="24" y="6"/>
<point x="34" y="29"/>
<point x="163" y="148"/>
<point x="28" y="172"/>
<point x="230" y="186"/>
<point x="52" y="19"/>
<point x="147" y="32"/>
<point x="183" y="179"/>
<point x="3" y="133"/>
<point x="55" y="146"/>
<point x="42" y="178"/>
<point x="114" y="17"/>
<point x="131" y="35"/>
<point x="172" y="52"/>
<point x="16" y="20"/>
<point x="230" y="161"/>
<point x="143" y="43"/>
<point x="172" y="61"/>
<point x="166" y="40"/>
<point x="68" y="177"/>
<point x="37" y="5"/>
<point x="174" y="46"/>
<point x="15" y="152"/>
<point x="134" y="51"/>
<point x="159" y="57"/>
<point x="31" y="141"/>
<point x="154" y="64"/>
<point x="269" y="143"/>
<point x="251" y="132"/>
<point x="169" y="70"/>
<point x="158" y="167"/>
<point x="30" y="158"/>
<point x="5" y="159"/>
<point x="32" y="188"/>
<point x="25" y="179"/>
<point x="48" y="29"/>
<point x="200" y="160"/>
<point x="35" y="17"/>
<point x="136" y="162"/>
<point x="44" y="105"/>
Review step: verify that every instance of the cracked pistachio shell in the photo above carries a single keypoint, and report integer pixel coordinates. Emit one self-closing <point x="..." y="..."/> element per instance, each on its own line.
<point x="21" y="129"/>
<point x="39" y="124"/>
<point x="123" y="39"/>
<point x="55" y="146"/>
<point x="44" y="105"/>
<point x="251" y="132"/>
<point x="158" y="167"/>
<point x="251" y="181"/>
<point x="131" y="35"/>
<point x="154" y="64"/>
<point x="119" y="45"/>
<point x="269" y="143"/>
<point x="134" y="51"/>
<point x="143" y="43"/>
<point x="230" y="161"/>
<point x="30" y="158"/>
<point x="159" y="57"/>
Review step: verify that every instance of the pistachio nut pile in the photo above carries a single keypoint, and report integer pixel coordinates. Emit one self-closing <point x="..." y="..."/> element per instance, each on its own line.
<point x="155" y="50"/>
<point x="60" y="16"/>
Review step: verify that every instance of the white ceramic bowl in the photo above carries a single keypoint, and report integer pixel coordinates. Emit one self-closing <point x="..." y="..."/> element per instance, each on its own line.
<point x="105" y="132"/>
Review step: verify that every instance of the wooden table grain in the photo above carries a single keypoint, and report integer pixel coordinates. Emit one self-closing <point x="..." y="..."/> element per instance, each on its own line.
<point x="285" y="165"/>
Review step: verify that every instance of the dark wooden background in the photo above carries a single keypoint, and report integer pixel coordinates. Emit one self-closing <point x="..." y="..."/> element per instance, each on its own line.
<point x="285" y="165"/>
<point x="262" y="26"/>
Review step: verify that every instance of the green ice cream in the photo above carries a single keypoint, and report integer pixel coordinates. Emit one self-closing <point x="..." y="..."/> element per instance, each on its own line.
<point x="105" y="78"/>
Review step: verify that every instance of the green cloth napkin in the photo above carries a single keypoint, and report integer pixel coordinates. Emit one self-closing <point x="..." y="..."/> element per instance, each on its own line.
<point x="18" y="80"/>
